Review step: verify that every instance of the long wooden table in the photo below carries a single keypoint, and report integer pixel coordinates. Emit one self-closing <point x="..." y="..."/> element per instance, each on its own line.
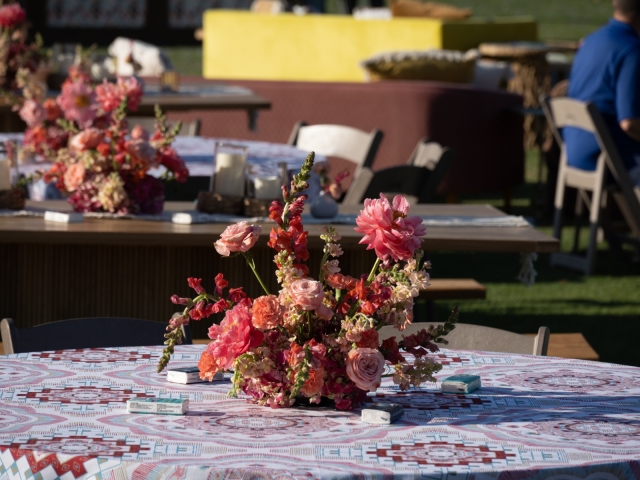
<point x="130" y="268"/>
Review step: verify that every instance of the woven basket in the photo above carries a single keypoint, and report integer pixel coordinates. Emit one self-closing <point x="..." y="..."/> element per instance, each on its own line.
<point x="12" y="199"/>
<point x="209" y="202"/>
<point x="255" y="207"/>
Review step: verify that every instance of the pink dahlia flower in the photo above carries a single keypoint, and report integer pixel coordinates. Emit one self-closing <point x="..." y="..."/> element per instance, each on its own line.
<point x="33" y="113"/>
<point x="365" y="367"/>
<point x="78" y="102"/>
<point x="11" y="15"/>
<point x="237" y="238"/>
<point x="233" y="337"/>
<point x="388" y="229"/>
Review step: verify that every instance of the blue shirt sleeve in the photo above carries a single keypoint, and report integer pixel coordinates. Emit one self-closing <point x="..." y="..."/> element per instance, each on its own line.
<point x="628" y="86"/>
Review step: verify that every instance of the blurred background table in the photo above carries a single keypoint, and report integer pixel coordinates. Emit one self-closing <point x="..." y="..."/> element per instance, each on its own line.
<point x="130" y="268"/>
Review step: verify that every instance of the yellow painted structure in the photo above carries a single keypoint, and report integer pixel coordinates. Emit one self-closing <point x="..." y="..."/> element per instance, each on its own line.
<point x="250" y="46"/>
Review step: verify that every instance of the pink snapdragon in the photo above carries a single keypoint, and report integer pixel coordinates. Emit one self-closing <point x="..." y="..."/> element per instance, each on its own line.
<point x="388" y="229"/>
<point x="237" y="238"/>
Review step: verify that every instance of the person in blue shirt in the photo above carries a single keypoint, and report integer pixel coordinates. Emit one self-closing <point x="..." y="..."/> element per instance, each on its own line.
<point x="606" y="71"/>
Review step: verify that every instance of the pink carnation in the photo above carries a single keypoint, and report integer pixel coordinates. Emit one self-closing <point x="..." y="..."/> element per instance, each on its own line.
<point x="388" y="229"/>
<point x="78" y="102"/>
<point x="308" y="295"/>
<point x="365" y="367"/>
<point x="11" y="15"/>
<point x="233" y="337"/>
<point x="237" y="238"/>
<point x="86" y="140"/>
<point x="33" y="113"/>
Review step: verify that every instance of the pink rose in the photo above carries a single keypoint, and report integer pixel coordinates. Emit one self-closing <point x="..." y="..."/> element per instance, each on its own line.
<point x="11" y="15"/>
<point x="308" y="295"/>
<point x="365" y="367"/>
<point x="234" y="336"/>
<point x="32" y="113"/>
<point x="139" y="132"/>
<point x="86" y="139"/>
<point x="237" y="238"/>
<point x="74" y="176"/>
<point x="388" y="229"/>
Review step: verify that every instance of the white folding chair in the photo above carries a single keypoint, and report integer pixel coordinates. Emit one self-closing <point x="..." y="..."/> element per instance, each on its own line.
<point x="348" y="143"/>
<point x="477" y="337"/>
<point x="610" y="178"/>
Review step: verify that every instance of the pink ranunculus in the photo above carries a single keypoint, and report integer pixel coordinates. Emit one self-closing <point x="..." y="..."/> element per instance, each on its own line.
<point x="74" y="176"/>
<point x="139" y="133"/>
<point x="237" y="238"/>
<point x="77" y="101"/>
<point x="234" y="336"/>
<point x="86" y="140"/>
<point x="11" y="15"/>
<point x="308" y="295"/>
<point x="141" y="151"/>
<point x="365" y="367"/>
<point x="33" y="113"/>
<point x="388" y="229"/>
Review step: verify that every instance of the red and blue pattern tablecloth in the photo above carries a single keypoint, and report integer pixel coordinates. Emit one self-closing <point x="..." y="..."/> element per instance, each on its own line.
<point x="63" y="415"/>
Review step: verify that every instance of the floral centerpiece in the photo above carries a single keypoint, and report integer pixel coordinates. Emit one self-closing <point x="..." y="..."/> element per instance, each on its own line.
<point x="317" y="338"/>
<point x="96" y="161"/>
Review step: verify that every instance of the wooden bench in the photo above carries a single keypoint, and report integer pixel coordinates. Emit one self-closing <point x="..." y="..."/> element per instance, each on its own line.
<point x="454" y="289"/>
<point x="570" y="345"/>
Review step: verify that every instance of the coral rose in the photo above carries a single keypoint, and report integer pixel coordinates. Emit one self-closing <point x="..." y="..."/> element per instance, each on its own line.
<point x="314" y="383"/>
<point x="233" y="337"/>
<point x="388" y="229"/>
<point x="308" y="295"/>
<point x="74" y="176"/>
<point x="32" y="113"/>
<point x="365" y="367"/>
<point x="208" y="366"/>
<point x="237" y="238"/>
<point x="86" y="139"/>
<point x="267" y="312"/>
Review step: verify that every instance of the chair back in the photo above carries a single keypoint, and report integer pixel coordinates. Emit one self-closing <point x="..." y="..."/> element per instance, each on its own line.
<point x="93" y="332"/>
<point x="339" y="141"/>
<point x="187" y="129"/>
<point x="477" y="337"/>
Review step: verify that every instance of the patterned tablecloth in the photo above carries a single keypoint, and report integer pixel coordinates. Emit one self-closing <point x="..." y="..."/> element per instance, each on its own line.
<point x="62" y="414"/>
<point x="197" y="153"/>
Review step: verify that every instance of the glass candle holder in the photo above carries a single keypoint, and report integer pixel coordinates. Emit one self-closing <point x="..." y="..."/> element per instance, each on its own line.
<point x="230" y="162"/>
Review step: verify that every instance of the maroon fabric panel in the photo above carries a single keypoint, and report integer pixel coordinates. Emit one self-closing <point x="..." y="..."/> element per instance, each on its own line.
<point x="478" y="124"/>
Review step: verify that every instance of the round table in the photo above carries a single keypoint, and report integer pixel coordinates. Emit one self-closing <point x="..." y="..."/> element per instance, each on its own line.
<point x="63" y="415"/>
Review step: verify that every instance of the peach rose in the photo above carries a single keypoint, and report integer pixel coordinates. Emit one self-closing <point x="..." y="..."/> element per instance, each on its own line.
<point x="308" y="295"/>
<point x="314" y="383"/>
<point x="86" y="139"/>
<point x="237" y="238"/>
<point x="266" y="312"/>
<point x="365" y="367"/>
<point x="74" y="176"/>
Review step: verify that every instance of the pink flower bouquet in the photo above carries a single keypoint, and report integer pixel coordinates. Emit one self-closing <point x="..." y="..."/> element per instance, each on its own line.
<point x="97" y="163"/>
<point x="317" y="338"/>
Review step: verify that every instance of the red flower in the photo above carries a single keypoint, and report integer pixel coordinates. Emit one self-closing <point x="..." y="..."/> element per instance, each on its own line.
<point x="195" y="284"/>
<point x="11" y="15"/>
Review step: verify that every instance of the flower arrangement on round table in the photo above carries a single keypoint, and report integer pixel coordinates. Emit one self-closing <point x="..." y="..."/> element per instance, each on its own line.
<point x="317" y="338"/>
<point x="97" y="163"/>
